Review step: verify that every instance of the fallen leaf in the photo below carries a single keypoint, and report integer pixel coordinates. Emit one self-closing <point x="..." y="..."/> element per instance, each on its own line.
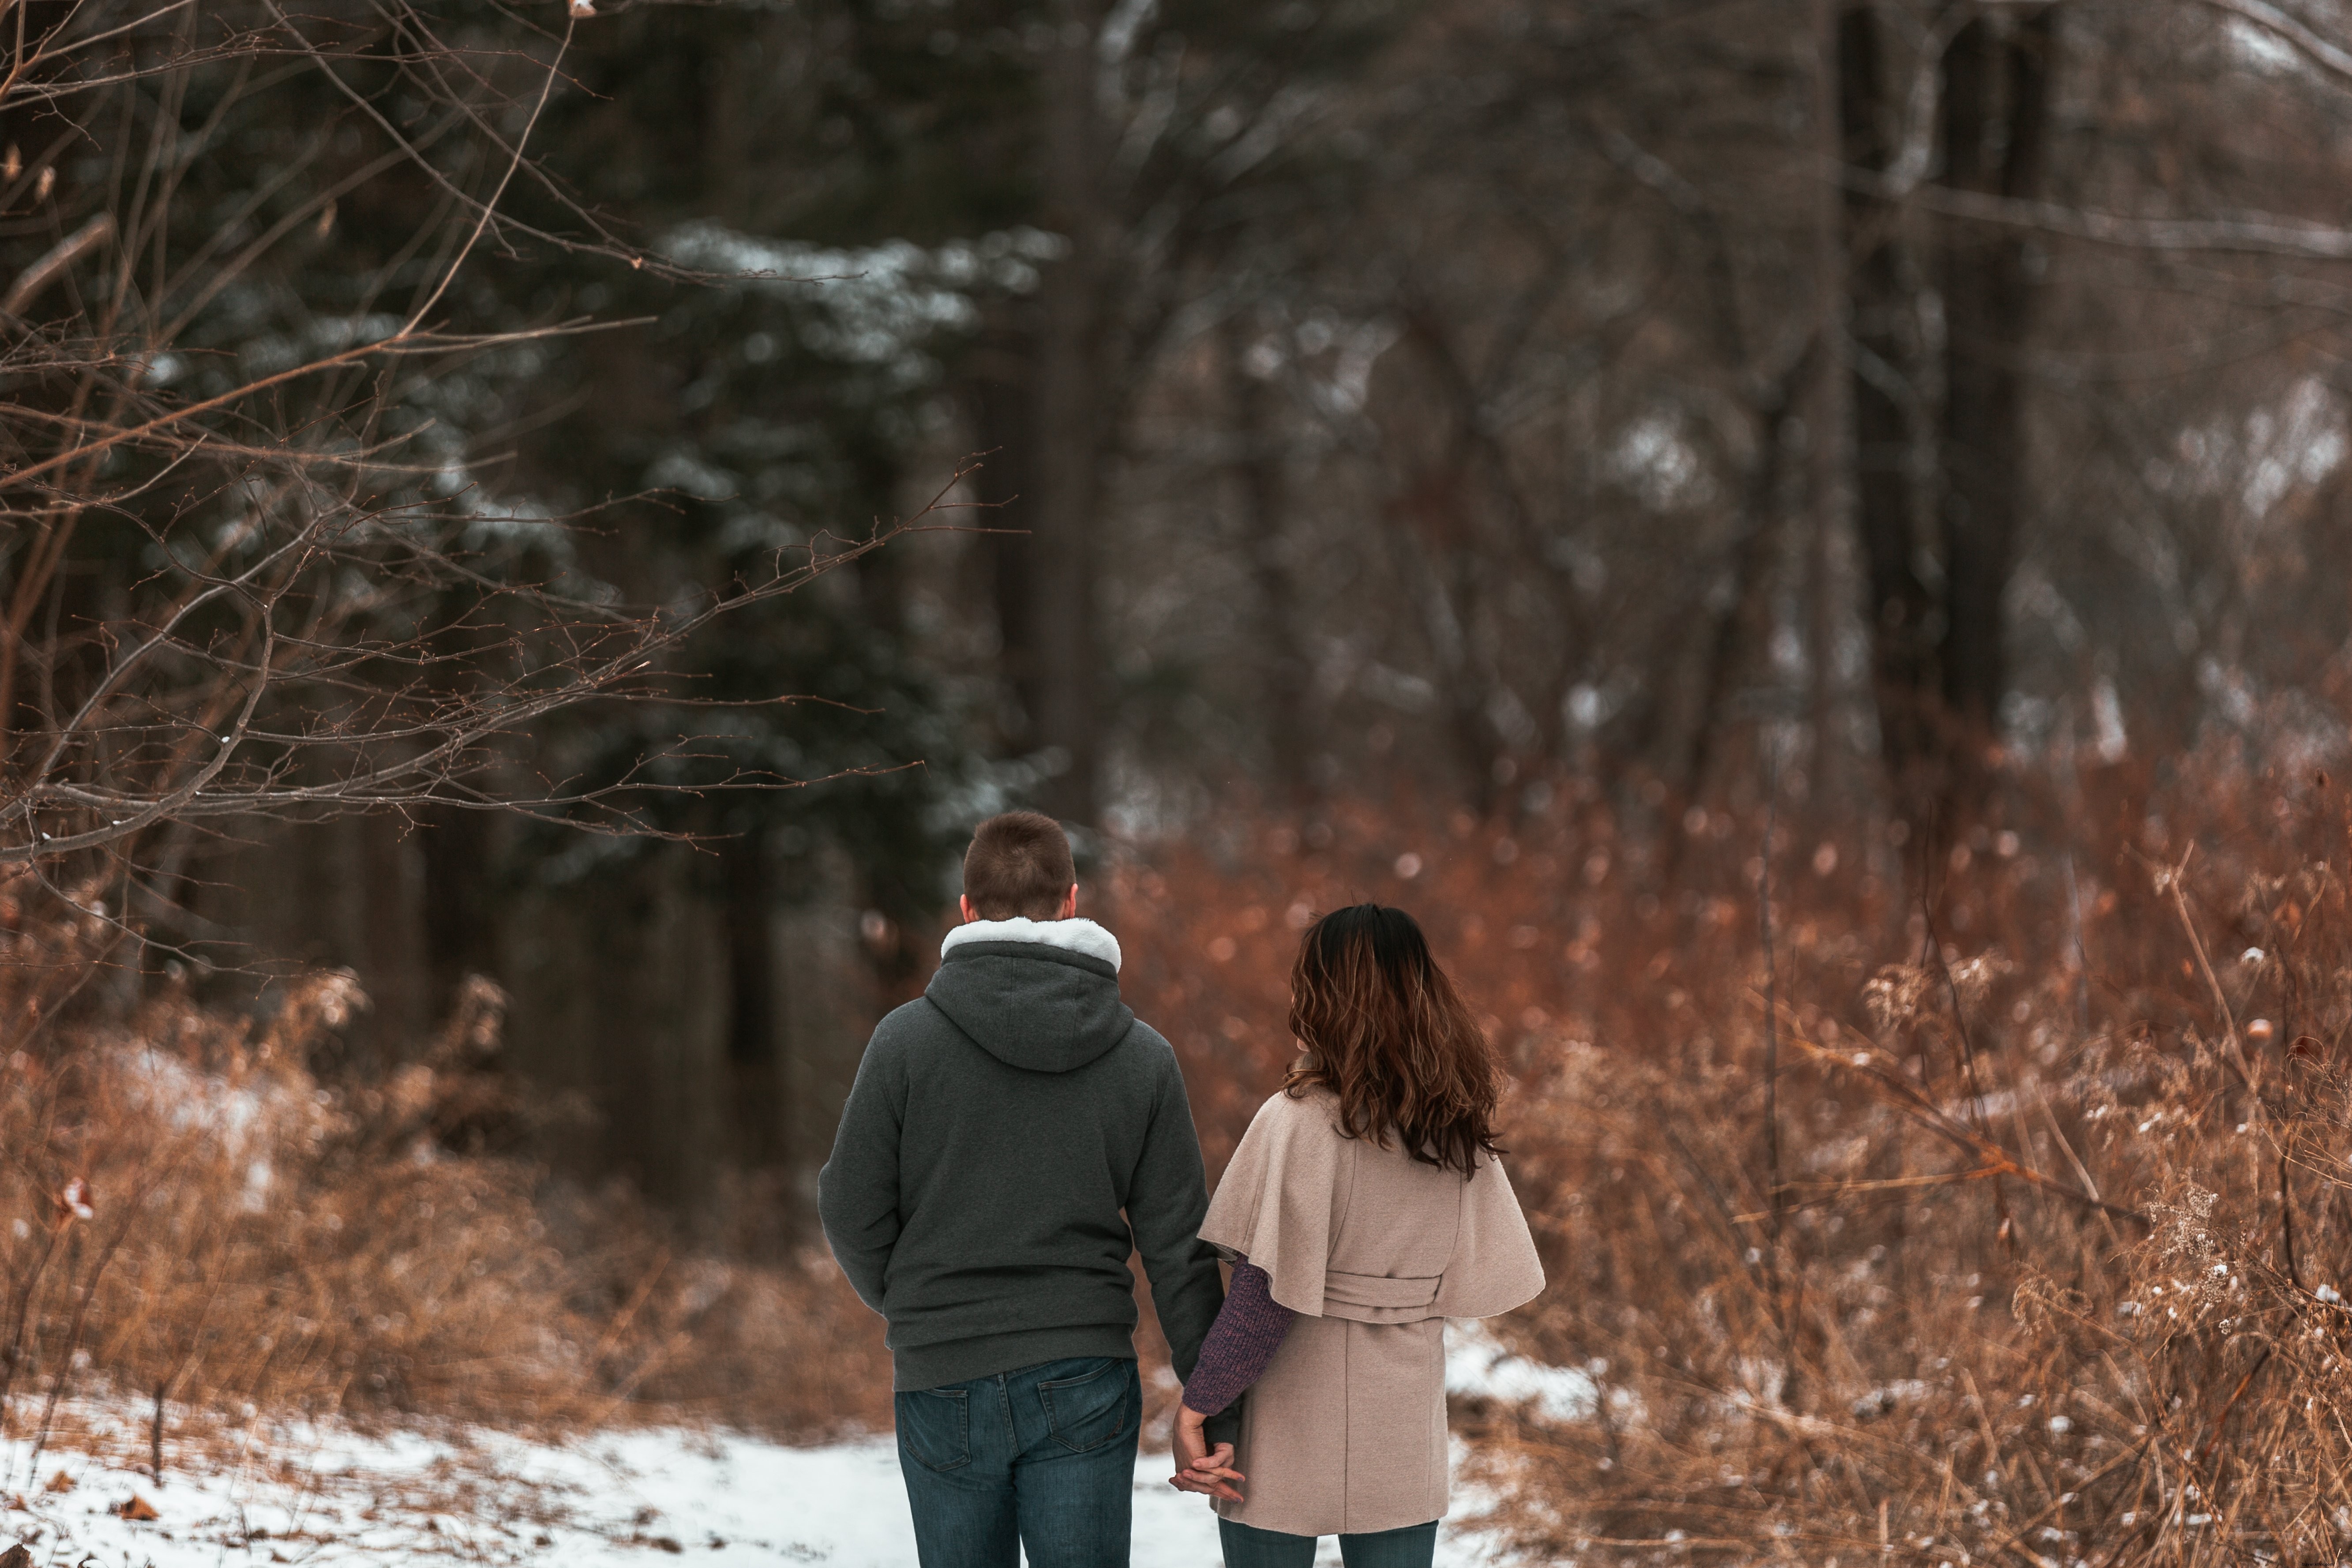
<point x="60" y="1482"/>
<point x="134" y="1507"/>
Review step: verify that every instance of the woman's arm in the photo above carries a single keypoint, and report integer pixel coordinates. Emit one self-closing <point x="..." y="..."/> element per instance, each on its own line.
<point x="1250" y="1327"/>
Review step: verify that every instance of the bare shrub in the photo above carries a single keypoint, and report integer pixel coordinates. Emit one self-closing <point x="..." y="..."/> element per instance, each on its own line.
<point x="252" y="571"/>
<point x="188" y="1216"/>
<point x="2053" y="1272"/>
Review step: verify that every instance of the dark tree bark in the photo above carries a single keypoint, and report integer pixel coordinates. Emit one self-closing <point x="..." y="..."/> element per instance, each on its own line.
<point x="455" y="851"/>
<point x="1071" y="429"/>
<point x="1900" y="607"/>
<point x="1939" y="661"/>
<point x="1743" y="622"/>
<point x="1258" y="464"/>
<point x="749" y="910"/>
<point x="1828" y="427"/>
<point x="1003" y="414"/>
<point x="1996" y="112"/>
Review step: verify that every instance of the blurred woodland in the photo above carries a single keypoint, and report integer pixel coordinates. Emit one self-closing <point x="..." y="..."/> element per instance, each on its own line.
<point x="1806" y="538"/>
<point x="438" y="435"/>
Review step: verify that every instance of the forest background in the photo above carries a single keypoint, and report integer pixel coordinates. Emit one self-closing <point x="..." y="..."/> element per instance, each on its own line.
<point x="1805" y="538"/>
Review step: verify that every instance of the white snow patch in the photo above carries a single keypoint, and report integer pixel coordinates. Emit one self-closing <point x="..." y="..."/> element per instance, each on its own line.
<point x="1477" y="1366"/>
<point x="327" y="1496"/>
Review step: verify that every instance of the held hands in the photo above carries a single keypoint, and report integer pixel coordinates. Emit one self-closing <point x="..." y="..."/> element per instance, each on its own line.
<point x="1197" y="1468"/>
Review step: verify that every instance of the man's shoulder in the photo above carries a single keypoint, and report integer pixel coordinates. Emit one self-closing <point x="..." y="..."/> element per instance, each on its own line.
<point x="1146" y="1054"/>
<point x="1145" y="1041"/>
<point x="907" y="1025"/>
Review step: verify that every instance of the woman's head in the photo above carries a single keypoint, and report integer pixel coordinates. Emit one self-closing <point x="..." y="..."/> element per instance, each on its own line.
<point x="1386" y="1032"/>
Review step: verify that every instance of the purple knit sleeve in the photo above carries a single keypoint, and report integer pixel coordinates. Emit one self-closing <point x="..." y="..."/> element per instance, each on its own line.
<point x="1249" y="1329"/>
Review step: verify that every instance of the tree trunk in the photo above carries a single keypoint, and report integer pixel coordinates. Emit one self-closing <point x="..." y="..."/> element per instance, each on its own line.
<point x="1004" y="416"/>
<point x="454" y="849"/>
<point x="1744" y="621"/>
<point x="1828" y="426"/>
<point x="1071" y="431"/>
<point x="1258" y="464"/>
<point x="1900" y="608"/>
<point x="1996" y="90"/>
<point x="751" y="1015"/>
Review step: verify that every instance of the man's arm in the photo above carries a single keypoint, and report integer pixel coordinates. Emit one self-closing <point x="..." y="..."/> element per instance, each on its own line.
<point x="857" y="1190"/>
<point x="1164" y="1207"/>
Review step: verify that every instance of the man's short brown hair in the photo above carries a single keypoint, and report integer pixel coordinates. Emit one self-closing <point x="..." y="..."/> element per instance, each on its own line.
<point x="1019" y="864"/>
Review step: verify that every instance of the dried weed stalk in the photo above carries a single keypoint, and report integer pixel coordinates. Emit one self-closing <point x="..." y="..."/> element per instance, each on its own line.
<point x="2057" y="1281"/>
<point x="189" y="1217"/>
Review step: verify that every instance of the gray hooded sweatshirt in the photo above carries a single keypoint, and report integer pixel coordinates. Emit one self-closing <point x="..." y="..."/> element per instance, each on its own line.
<point x="1012" y="1137"/>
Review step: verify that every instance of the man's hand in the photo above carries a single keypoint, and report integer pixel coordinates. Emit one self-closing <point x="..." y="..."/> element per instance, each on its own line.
<point x="1199" y="1470"/>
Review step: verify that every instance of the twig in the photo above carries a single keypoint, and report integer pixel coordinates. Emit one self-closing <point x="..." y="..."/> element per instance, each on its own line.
<point x="2008" y="1231"/>
<point x="2232" y="1402"/>
<point x="1771" y="1009"/>
<point x="546" y="90"/>
<point x="2082" y="954"/>
<point x="52" y="264"/>
<point x="2171" y="880"/>
<point x="1993" y="1160"/>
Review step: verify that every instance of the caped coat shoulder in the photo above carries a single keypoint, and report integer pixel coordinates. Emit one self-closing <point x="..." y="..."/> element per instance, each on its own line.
<point x="1345" y="1433"/>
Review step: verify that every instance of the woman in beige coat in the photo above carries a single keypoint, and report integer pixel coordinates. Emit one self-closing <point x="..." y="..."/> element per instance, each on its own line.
<point x="1364" y="1206"/>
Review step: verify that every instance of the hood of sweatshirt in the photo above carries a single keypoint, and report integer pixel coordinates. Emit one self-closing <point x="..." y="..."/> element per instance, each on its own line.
<point x="1039" y="995"/>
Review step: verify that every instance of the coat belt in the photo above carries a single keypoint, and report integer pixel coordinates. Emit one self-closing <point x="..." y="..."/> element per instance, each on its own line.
<point x="1377" y="1298"/>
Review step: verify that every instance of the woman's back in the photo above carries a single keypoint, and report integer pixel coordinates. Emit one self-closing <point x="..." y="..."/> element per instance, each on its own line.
<point x="1345" y="1433"/>
<point x="1369" y="1205"/>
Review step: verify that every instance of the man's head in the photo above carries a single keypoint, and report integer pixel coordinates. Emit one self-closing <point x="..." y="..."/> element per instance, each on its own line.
<point x="1019" y="865"/>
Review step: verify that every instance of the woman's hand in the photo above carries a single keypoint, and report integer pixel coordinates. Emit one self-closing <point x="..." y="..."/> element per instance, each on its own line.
<point x="1197" y="1468"/>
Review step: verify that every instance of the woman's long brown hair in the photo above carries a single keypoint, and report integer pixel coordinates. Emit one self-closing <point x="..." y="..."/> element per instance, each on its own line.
<point x="1386" y="1032"/>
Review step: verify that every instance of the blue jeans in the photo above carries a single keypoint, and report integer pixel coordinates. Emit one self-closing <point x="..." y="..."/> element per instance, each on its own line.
<point x="1246" y="1546"/>
<point x="1043" y="1457"/>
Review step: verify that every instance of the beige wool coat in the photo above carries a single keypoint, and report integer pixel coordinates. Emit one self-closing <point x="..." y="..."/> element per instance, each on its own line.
<point x="1345" y="1433"/>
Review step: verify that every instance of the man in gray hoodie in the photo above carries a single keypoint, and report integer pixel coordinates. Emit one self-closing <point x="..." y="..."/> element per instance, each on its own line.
<point x="1012" y="1137"/>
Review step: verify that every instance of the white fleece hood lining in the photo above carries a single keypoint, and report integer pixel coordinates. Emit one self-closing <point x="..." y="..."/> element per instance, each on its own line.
<point x="1071" y="936"/>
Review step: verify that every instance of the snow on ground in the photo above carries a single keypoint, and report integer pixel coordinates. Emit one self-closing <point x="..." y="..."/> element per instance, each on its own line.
<point x="1476" y="1364"/>
<point x="327" y="1495"/>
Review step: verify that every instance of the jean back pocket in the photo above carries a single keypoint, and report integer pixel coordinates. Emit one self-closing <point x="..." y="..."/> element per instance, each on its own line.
<point x="935" y="1427"/>
<point x="1089" y="1408"/>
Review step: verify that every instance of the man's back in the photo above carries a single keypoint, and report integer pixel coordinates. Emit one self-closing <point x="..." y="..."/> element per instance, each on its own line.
<point x="1004" y="1134"/>
<point x="1010" y="1141"/>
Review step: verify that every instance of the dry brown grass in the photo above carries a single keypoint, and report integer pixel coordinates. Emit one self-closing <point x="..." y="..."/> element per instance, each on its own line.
<point x="2049" y="1270"/>
<point x="188" y="1215"/>
<point x="2044" y="1269"/>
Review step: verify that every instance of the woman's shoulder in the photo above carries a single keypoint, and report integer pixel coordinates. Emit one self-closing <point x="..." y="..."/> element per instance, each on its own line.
<point x="1307" y="1113"/>
<point x="1308" y="1104"/>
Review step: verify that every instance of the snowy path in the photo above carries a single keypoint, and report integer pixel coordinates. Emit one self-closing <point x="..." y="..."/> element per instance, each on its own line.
<point x="628" y="1498"/>
<point x="329" y="1496"/>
